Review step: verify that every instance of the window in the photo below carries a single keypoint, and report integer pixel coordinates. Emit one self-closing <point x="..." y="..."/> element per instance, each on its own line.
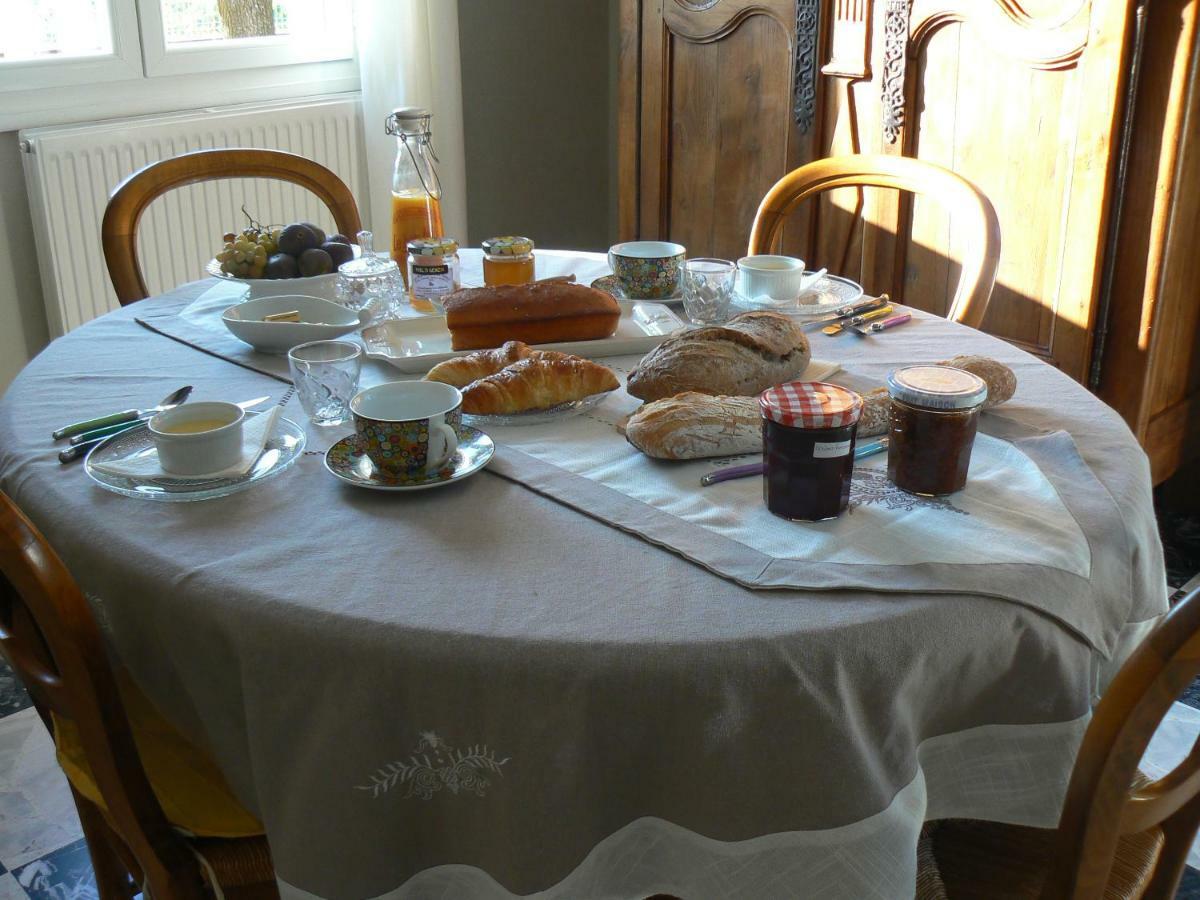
<point x="55" y="43"/>
<point x="183" y="36"/>
<point x="51" y="43"/>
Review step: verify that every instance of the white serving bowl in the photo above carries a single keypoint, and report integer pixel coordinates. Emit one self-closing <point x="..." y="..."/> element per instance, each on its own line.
<point x="321" y="320"/>
<point x="323" y="286"/>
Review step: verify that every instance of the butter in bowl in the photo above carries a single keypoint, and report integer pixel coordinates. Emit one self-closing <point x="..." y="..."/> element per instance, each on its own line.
<point x="196" y="438"/>
<point x="276" y="324"/>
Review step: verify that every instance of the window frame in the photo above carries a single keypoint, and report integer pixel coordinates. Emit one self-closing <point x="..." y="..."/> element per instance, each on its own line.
<point x="51" y="72"/>
<point x="86" y="89"/>
<point x="235" y="53"/>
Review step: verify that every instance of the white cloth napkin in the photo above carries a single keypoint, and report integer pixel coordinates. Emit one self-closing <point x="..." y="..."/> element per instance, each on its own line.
<point x="256" y="429"/>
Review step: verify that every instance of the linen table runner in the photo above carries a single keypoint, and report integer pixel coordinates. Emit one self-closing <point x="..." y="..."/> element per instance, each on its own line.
<point x="1008" y="534"/>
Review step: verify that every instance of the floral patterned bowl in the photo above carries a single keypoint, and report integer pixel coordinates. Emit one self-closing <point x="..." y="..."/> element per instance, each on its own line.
<point x="648" y="270"/>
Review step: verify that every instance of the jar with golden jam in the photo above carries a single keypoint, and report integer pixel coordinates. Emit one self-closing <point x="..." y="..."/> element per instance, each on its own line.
<point x="508" y="260"/>
<point x="932" y="423"/>
<point x="433" y="272"/>
<point x="808" y="448"/>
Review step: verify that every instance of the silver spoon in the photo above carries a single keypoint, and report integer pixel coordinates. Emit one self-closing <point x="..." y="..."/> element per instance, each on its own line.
<point x="172" y="399"/>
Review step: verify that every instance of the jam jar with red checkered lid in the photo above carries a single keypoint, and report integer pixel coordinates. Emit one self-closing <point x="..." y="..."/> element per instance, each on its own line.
<point x="808" y="448"/>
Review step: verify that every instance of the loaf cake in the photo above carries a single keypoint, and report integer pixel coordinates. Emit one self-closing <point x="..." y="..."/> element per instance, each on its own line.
<point x="534" y="313"/>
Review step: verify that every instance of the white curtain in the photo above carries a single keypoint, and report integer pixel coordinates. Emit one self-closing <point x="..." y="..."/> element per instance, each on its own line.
<point x="408" y="56"/>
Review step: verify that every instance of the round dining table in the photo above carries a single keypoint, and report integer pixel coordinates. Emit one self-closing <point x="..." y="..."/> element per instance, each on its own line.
<point x="531" y="683"/>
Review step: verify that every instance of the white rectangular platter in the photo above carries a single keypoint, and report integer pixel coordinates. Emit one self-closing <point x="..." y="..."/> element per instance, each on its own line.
<point x="416" y="345"/>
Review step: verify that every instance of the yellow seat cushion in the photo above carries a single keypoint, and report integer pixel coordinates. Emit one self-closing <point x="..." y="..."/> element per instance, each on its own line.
<point x="187" y="782"/>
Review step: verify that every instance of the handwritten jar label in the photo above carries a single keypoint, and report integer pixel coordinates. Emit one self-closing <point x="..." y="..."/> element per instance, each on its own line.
<point x="829" y="449"/>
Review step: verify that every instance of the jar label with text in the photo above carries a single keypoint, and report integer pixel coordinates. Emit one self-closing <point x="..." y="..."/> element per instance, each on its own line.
<point x="432" y="281"/>
<point x="829" y="449"/>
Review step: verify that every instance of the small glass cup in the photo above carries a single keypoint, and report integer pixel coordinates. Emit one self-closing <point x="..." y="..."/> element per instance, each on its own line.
<point x="326" y="377"/>
<point x="708" y="290"/>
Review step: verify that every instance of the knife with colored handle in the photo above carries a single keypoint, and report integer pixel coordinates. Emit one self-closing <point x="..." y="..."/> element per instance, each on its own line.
<point x="862" y="451"/>
<point x="839" y="327"/>
<point x="172" y="399"/>
<point x="859" y="306"/>
<point x="875" y="327"/>
<point x="80" y="449"/>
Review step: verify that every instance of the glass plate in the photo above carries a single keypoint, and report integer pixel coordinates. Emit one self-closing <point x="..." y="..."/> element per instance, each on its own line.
<point x="834" y="291"/>
<point x="282" y="449"/>
<point x="539" y="416"/>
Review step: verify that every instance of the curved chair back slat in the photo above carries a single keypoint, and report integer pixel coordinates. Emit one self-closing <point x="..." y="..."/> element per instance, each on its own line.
<point x="131" y="197"/>
<point x="50" y="637"/>
<point x="1105" y="799"/>
<point x="971" y="208"/>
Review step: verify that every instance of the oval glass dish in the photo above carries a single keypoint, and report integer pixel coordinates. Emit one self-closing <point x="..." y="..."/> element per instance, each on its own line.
<point x="282" y="449"/>
<point x="538" y="416"/>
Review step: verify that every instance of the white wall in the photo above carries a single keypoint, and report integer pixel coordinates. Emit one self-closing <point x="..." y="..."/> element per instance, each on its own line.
<point x="23" y="329"/>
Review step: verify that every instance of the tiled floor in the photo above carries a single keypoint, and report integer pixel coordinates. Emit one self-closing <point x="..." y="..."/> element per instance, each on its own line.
<point x="42" y="853"/>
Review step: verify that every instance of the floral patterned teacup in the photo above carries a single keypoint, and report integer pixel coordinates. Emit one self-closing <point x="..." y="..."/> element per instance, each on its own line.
<point x="407" y="427"/>
<point x="647" y="270"/>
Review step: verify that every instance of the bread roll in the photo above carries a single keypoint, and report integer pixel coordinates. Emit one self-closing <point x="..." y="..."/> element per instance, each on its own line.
<point x="1001" y="380"/>
<point x="538" y="382"/>
<point x="539" y="313"/>
<point x="876" y="411"/>
<point x="750" y="353"/>
<point x="695" y="426"/>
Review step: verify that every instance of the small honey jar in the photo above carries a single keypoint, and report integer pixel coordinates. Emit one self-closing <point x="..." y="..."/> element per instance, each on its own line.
<point x="433" y="272"/>
<point x="508" y="260"/>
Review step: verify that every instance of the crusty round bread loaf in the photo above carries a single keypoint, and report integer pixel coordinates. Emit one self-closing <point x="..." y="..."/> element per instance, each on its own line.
<point x="1001" y="380"/>
<point x="744" y="357"/>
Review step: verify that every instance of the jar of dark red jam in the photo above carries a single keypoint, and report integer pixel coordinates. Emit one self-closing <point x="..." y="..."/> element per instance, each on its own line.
<point x="808" y="449"/>
<point x="934" y="414"/>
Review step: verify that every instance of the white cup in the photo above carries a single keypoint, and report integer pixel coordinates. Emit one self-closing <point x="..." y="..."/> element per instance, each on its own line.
<point x="217" y="445"/>
<point x="778" y="277"/>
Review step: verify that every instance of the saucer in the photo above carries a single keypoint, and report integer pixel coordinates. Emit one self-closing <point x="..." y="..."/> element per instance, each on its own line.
<point x="345" y="460"/>
<point x="610" y="285"/>
<point x="282" y="449"/>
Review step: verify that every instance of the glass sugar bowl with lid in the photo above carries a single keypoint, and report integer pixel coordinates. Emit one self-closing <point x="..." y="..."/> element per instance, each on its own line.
<point x="809" y="429"/>
<point x="931" y="431"/>
<point x="508" y="260"/>
<point x="372" y="281"/>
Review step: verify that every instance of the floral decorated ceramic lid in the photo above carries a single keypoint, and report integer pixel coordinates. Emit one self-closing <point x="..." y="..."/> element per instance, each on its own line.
<point x="439" y="246"/>
<point x="509" y="245"/>
<point x="810" y="404"/>
<point x="937" y="387"/>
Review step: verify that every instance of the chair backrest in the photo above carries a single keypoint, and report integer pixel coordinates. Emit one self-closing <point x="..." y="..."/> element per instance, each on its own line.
<point x="50" y="637"/>
<point x="1105" y="798"/>
<point x="118" y="232"/>
<point x="972" y="210"/>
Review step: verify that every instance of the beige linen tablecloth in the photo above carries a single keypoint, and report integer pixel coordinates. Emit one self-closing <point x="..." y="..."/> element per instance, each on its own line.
<point x="481" y="692"/>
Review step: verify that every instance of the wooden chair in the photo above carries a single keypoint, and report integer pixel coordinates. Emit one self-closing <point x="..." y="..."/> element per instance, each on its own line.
<point x="125" y="207"/>
<point x="49" y="635"/>
<point x="1120" y="834"/>
<point x="971" y="207"/>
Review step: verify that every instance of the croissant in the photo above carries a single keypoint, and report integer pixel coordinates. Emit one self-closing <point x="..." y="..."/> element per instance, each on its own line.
<point x="462" y="370"/>
<point x="537" y="382"/>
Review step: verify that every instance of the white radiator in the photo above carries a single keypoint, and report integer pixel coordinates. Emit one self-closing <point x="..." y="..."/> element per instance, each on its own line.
<point x="71" y="170"/>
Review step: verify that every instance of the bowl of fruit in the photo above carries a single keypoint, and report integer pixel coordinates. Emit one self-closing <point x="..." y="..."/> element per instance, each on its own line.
<point x="292" y="259"/>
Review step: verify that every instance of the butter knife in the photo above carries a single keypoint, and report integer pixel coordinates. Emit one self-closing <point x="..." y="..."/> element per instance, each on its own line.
<point x="877" y="326"/>
<point x="839" y="327"/>
<point x="862" y="451"/>
<point x="852" y="309"/>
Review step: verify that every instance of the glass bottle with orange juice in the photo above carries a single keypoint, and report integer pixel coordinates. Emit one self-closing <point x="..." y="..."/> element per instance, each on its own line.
<point x="416" y="190"/>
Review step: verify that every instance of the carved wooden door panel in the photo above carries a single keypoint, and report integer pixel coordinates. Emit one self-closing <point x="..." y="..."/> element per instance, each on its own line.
<point x="1022" y="98"/>
<point x="721" y="116"/>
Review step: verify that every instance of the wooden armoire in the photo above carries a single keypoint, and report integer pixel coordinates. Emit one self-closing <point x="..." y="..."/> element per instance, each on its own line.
<point x="1080" y="119"/>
